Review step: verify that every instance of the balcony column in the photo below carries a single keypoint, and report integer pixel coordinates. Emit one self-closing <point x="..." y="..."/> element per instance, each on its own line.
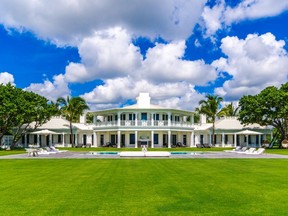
<point x="119" y="119"/>
<point x="152" y="139"/>
<point x="118" y="139"/>
<point x="136" y="118"/>
<point x="136" y="139"/>
<point x="169" y="119"/>
<point x="192" y="144"/>
<point x="169" y="139"/>
<point x="152" y="119"/>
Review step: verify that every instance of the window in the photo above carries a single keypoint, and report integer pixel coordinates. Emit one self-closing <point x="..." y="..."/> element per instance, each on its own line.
<point x="165" y="117"/>
<point x="226" y="139"/>
<point x="59" y="138"/>
<point x="102" y="139"/>
<point x="132" y="139"/>
<point x="144" y="116"/>
<point x="156" y="139"/>
<point x="184" y="139"/>
<point x="177" y="118"/>
<point x="123" y="117"/>
<point x="156" y="117"/>
<point x="131" y="116"/>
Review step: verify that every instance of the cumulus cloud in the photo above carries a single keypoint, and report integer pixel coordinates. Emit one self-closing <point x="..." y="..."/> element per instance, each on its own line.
<point x="115" y="91"/>
<point x="106" y="54"/>
<point x="51" y="90"/>
<point x="222" y="15"/>
<point x="6" y="78"/>
<point x="255" y="62"/>
<point x="65" y="21"/>
<point x="165" y="62"/>
<point x="110" y="53"/>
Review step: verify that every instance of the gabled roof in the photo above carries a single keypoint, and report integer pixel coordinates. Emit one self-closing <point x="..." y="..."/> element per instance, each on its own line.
<point x="232" y="123"/>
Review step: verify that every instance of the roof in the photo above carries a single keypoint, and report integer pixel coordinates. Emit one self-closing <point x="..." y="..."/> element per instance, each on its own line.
<point x="232" y="123"/>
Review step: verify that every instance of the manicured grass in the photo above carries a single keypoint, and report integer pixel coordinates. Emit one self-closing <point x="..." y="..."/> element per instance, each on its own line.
<point x="144" y="187"/>
<point x="277" y="151"/>
<point x="10" y="152"/>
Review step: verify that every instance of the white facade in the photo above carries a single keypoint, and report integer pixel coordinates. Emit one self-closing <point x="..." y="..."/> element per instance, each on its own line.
<point x="152" y="125"/>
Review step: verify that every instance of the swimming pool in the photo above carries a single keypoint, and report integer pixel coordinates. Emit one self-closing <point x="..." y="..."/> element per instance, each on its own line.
<point x="102" y="153"/>
<point x="186" y="153"/>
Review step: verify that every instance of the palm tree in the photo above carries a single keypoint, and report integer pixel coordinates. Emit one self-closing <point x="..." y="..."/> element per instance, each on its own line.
<point x="72" y="109"/>
<point x="228" y="110"/>
<point x="210" y="108"/>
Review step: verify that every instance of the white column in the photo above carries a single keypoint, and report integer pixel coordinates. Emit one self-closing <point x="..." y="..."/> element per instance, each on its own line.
<point x="259" y="140"/>
<point x="169" y="139"/>
<point x="152" y="120"/>
<point x="223" y="139"/>
<point x="192" y="143"/>
<point x="136" y="119"/>
<point x="136" y="139"/>
<point x="118" y="139"/>
<point x="50" y="139"/>
<point x="119" y="119"/>
<point x="152" y="139"/>
<point x="169" y="120"/>
<point x="25" y="141"/>
<point x="95" y="139"/>
<point x="63" y="139"/>
<point x="235" y="140"/>
<point x="210" y="140"/>
<point x="76" y="141"/>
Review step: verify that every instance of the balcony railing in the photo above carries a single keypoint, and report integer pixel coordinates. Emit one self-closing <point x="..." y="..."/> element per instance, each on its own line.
<point x="144" y="123"/>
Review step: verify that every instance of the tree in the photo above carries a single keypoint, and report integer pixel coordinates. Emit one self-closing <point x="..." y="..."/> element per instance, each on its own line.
<point x="21" y="111"/>
<point x="72" y="109"/>
<point x="210" y="108"/>
<point x="269" y="107"/>
<point x="228" y="111"/>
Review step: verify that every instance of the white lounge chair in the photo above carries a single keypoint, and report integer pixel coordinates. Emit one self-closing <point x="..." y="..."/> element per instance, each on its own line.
<point x="238" y="148"/>
<point x="250" y="150"/>
<point x="57" y="150"/>
<point x="258" y="151"/>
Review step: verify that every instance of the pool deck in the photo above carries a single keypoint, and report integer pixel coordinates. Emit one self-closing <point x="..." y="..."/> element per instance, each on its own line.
<point x="85" y="155"/>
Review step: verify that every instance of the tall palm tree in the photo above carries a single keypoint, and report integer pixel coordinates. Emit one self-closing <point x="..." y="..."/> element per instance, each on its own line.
<point x="228" y="110"/>
<point x="72" y="109"/>
<point x="210" y="107"/>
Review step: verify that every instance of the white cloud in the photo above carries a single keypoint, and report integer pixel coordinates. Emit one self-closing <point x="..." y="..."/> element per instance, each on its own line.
<point x="221" y="15"/>
<point x="254" y="63"/>
<point x="51" y="90"/>
<point x="72" y="20"/>
<point x="115" y="91"/>
<point x="106" y="54"/>
<point x="6" y="78"/>
<point x="164" y="63"/>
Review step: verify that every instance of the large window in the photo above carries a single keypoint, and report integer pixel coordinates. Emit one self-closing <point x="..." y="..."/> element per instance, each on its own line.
<point x="156" y="117"/>
<point x="132" y="139"/>
<point x="131" y="116"/>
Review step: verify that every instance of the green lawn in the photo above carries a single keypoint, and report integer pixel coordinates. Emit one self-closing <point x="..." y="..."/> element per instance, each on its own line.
<point x="144" y="187"/>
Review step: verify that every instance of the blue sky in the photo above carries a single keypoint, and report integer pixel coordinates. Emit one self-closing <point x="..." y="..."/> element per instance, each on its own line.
<point x="178" y="51"/>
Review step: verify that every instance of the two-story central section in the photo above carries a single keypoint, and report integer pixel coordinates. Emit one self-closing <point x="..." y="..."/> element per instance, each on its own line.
<point x="144" y="123"/>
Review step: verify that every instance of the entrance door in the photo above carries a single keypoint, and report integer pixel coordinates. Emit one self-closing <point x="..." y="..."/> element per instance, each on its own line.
<point x="174" y="139"/>
<point x="84" y="139"/>
<point x="201" y="139"/>
<point x="165" y="140"/>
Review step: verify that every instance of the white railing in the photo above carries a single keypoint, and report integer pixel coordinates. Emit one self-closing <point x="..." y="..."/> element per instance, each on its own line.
<point x="144" y="123"/>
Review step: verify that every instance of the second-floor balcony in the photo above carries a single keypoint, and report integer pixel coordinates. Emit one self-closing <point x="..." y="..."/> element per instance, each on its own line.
<point x="144" y="123"/>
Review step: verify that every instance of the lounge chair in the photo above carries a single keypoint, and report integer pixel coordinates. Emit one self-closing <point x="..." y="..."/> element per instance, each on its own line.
<point x="248" y="151"/>
<point x="258" y="151"/>
<point x="238" y="148"/>
<point x="199" y="145"/>
<point x="206" y="145"/>
<point x="57" y="150"/>
<point x="48" y="149"/>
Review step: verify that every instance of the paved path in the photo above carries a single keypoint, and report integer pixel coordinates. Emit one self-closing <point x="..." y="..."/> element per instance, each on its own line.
<point x="80" y="155"/>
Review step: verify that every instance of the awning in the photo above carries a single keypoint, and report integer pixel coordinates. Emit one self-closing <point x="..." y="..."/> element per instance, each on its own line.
<point x="249" y="132"/>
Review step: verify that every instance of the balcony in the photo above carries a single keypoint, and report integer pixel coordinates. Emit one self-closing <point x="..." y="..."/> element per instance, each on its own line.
<point x="146" y="123"/>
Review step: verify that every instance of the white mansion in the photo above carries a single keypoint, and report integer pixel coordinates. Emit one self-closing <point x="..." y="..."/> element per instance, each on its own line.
<point x="145" y="123"/>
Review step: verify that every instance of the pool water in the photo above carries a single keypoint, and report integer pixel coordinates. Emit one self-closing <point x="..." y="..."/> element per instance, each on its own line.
<point x="186" y="153"/>
<point x="103" y="153"/>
